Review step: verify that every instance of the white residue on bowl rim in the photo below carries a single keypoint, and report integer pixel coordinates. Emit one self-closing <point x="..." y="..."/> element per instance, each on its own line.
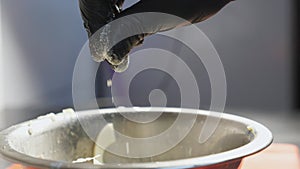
<point x="50" y="115"/>
<point x="87" y="159"/>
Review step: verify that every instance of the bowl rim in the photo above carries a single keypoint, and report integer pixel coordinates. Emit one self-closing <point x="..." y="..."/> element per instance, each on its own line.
<point x="263" y="138"/>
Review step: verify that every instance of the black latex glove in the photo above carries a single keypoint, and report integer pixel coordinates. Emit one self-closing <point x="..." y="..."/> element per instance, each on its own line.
<point x="97" y="13"/>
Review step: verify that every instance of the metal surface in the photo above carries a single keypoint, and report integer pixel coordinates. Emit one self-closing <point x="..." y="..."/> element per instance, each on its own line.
<point x="54" y="141"/>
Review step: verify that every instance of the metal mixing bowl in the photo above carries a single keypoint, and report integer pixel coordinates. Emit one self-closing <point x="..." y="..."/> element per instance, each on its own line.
<point x="54" y="141"/>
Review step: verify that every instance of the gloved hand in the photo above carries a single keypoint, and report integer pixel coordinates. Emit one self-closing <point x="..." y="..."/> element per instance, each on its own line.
<point x="97" y="13"/>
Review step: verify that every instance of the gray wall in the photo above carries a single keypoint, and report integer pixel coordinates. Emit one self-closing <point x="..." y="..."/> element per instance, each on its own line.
<point x="1" y="75"/>
<point x="253" y="40"/>
<point x="42" y="38"/>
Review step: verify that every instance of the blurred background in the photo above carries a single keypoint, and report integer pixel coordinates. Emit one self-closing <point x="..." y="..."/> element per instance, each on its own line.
<point x="41" y="39"/>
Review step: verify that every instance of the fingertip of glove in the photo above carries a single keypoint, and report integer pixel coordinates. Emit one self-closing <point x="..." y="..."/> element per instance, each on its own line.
<point x="121" y="67"/>
<point x="113" y="59"/>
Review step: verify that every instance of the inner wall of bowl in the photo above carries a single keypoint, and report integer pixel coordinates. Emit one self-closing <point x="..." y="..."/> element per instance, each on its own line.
<point x="52" y="140"/>
<point x="67" y="140"/>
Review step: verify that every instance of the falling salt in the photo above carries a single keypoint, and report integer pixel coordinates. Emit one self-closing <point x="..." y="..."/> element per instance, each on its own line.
<point x="109" y="83"/>
<point x="190" y="152"/>
<point x="127" y="148"/>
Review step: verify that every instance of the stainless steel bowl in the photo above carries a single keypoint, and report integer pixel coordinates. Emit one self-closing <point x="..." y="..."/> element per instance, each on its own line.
<point x="54" y="141"/>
